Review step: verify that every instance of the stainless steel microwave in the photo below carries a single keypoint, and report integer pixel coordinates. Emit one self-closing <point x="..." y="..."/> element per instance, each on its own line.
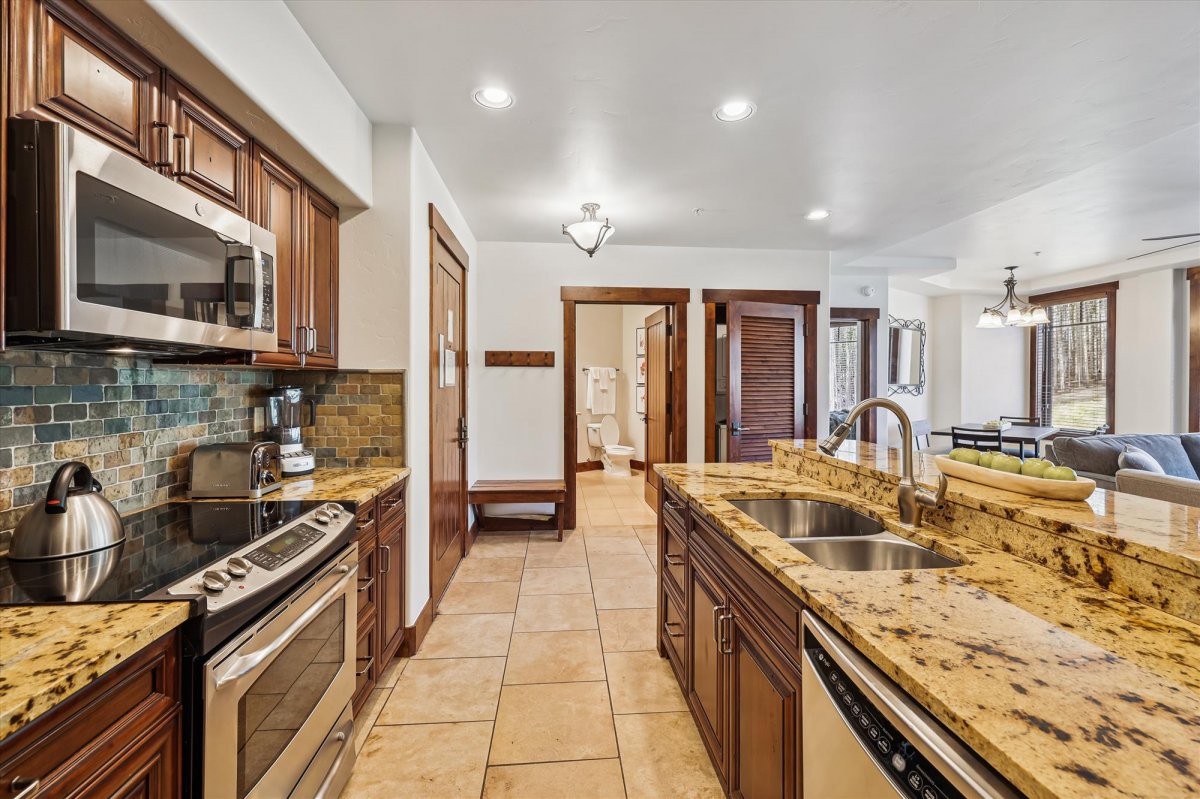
<point x="104" y="253"/>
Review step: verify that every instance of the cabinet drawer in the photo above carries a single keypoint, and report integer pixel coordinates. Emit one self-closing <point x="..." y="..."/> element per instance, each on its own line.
<point x="674" y="558"/>
<point x="365" y="664"/>
<point x="391" y="505"/>
<point x="674" y="632"/>
<point x="364" y="519"/>
<point x="675" y="511"/>
<point x="368" y="574"/>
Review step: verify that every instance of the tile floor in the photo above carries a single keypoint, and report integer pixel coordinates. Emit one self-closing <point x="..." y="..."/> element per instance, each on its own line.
<point x="540" y="678"/>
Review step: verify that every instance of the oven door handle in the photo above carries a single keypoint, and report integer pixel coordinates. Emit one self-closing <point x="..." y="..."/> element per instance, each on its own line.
<point x="246" y="664"/>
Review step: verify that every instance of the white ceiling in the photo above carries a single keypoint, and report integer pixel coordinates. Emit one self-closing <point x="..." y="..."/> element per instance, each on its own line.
<point x="974" y="131"/>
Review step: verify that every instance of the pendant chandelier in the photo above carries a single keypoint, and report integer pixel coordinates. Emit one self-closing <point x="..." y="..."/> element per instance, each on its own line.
<point x="589" y="233"/>
<point x="1012" y="311"/>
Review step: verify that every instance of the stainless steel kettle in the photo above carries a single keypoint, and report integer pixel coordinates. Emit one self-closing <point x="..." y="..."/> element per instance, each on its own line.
<point x="74" y="519"/>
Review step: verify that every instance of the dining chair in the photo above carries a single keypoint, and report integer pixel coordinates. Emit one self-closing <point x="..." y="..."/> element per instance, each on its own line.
<point x="922" y="428"/>
<point x="986" y="440"/>
<point x="1032" y="421"/>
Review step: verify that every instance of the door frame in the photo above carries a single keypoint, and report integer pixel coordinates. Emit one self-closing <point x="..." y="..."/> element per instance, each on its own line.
<point x="440" y="231"/>
<point x="869" y="319"/>
<point x="810" y="300"/>
<point x="573" y="296"/>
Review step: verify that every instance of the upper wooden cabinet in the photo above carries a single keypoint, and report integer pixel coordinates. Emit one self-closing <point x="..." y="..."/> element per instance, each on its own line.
<point x="276" y="205"/>
<point x="69" y="66"/>
<point x="321" y="277"/>
<point x="211" y="155"/>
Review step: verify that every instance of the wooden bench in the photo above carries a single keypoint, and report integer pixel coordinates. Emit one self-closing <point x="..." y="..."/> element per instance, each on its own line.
<point x="519" y="491"/>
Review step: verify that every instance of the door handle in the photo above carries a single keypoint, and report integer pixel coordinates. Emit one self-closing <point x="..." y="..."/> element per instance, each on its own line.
<point x="737" y="429"/>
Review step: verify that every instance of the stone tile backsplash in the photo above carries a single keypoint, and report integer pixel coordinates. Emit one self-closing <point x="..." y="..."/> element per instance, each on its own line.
<point x="360" y="417"/>
<point x="132" y="422"/>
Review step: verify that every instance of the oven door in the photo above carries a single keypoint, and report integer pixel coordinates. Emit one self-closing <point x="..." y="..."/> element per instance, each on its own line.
<point x="276" y="697"/>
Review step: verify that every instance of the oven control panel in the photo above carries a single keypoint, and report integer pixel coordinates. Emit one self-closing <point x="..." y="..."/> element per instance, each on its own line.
<point x="284" y="547"/>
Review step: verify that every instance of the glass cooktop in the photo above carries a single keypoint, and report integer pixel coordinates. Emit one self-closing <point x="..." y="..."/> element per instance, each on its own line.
<point x="162" y="545"/>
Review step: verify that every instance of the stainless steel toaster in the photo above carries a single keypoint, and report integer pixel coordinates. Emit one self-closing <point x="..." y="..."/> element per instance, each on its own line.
<point x="243" y="471"/>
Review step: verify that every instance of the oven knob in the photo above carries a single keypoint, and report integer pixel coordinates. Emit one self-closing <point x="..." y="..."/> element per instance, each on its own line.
<point x="322" y="517"/>
<point x="239" y="567"/>
<point x="215" y="581"/>
<point x="334" y="511"/>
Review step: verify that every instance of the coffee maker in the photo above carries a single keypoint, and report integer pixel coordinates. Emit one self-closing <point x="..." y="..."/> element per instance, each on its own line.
<point x="284" y="410"/>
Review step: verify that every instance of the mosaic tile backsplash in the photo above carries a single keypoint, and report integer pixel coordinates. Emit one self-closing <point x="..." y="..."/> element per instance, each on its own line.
<point x="360" y="417"/>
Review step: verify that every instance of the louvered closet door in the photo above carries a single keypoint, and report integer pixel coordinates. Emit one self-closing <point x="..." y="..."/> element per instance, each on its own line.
<point x="766" y="377"/>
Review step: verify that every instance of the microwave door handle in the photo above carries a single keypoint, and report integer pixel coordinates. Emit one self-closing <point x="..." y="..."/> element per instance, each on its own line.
<point x="256" y="284"/>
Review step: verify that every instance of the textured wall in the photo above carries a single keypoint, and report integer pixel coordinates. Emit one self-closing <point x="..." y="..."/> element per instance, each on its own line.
<point x="360" y="417"/>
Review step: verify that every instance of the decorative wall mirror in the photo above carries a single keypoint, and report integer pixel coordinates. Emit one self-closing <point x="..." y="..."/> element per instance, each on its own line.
<point x="906" y="356"/>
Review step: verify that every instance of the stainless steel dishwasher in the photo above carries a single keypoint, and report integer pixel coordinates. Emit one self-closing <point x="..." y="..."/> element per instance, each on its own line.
<point x="865" y="738"/>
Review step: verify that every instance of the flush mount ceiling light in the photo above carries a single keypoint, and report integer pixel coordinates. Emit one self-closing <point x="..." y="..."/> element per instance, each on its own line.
<point x="816" y="215"/>
<point x="734" y="111"/>
<point x="589" y="233"/>
<point x="493" y="97"/>
<point x="1012" y="311"/>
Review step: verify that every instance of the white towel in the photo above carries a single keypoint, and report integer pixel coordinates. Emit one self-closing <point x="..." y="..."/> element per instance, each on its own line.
<point x="602" y="390"/>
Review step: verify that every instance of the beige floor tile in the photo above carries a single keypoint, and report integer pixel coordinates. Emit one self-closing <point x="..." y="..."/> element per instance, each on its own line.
<point x="484" y="635"/>
<point x="544" y="537"/>
<point x="628" y="629"/>
<point x="452" y="689"/>
<point x="574" y="779"/>
<point x="611" y="531"/>
<point x="662" y="756"/>
<point x="625" y="592"/>
<point x="566" y="656"/>
<point x="625" y="545"/>
<point x="490" y="570"/>
<point x="563" y="580"/>
<point x="607" y="567"/>
<point x="639" y="516"/>
<point x="627" y="499"/>
<point x="539" y="723"/>
<point x="647" y="535"/>
<point x="394" y="670"/>
<point x="552" y="554"/>
<point x="500" y="545"/>
<point x="422" y="761"/>
<point x="600" y="501"/>
<point x="555" y="612"/>
<point x="365" y="719"/>
<point x="463" y="598"/>
<point x="581" y="517"/>
<point x="641" y="682"/>
<point x="602" y="517"/>
<point x="652" y="556"/>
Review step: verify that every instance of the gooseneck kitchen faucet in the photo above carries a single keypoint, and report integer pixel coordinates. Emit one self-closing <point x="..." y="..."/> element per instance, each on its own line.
<point x="911" y="498"/>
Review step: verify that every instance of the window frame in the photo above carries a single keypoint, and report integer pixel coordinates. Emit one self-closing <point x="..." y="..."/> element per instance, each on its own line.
<point x="1193" y="416"/>
<point x="868" y="321"/>
<point x="1097" y="291"/>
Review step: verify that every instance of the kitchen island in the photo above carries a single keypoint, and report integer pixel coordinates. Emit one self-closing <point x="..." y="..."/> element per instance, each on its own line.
<point x="1065" y="650"/>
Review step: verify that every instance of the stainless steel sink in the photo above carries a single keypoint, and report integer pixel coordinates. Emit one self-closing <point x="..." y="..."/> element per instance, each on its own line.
<point x="807" y="518"/>
<point x="879" y="553"/>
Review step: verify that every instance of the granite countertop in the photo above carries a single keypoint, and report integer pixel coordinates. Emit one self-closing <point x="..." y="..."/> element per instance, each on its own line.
<point x="354" y="484"/>
<point x="1067" y="689"/>
<point x="50" y="652"/>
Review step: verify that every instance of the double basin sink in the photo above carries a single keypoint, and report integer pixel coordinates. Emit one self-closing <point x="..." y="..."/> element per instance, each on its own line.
<point x="839" y="538"/>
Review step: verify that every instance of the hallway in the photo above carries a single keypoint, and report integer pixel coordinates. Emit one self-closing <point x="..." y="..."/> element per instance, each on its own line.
<point x="540" y="677"/>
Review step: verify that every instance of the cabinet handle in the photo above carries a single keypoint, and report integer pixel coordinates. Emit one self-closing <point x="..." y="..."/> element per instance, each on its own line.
<point x="367" y="668"/>
<point x="667" y="626"/>
<point x="386" y="566"/>
<point x="391" y="503"/>
<point x="366" y="586"/>
<point x="312" y="340"/>
<point x="717" y="623"/>
<point x="726" y="640"/>
<point x="301" y="336"/>
<point x="184" y="146"/>
<point x="25" y="788"/>
<point x="673" y="505"/>
<point x="673" y="559"/>
<point x="165" y="148"/>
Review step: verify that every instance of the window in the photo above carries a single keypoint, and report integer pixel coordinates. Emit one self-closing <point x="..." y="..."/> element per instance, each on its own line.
<point x="1072" y="359"/>
<point x="844" y="370"/>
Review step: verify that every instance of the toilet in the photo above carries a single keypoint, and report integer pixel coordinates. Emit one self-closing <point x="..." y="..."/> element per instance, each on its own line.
<point x="604" y="435"/>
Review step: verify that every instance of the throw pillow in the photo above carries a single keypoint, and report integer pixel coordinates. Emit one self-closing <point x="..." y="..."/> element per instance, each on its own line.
<point x="1134" y="458"/>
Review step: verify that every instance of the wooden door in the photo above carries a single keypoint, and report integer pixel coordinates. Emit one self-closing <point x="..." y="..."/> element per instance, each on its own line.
<point x="766" y="377"/>
<point x="447" y="409"/>
<point x="276" y="205"/>
<point x="658" y="399"/>
<point x="212" y="155"/>
<point x="764" y="701"/>
<point x="321" y="277"/>
<point x="70" y="66"/>
<point x="706" y="662"/>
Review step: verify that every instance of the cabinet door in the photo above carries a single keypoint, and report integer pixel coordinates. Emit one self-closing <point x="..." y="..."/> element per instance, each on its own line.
<point x="391" y="592"/>
<point x="69" y="66"/>
<point x="366" y="661"/>
<point x="321" y="274"/>
<point x="276" y="205"/>
<point x="707" y="664"/>
<point x="764" y="716"/>
<point x="151" y="770"/>
<point x="211" y="154"/>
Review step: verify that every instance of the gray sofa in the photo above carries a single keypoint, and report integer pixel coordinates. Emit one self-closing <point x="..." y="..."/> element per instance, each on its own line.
<point x="1096" y="457"/>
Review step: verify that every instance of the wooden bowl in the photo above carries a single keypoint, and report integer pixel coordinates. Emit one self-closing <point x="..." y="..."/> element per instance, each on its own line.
<point x="1078" y="489"/>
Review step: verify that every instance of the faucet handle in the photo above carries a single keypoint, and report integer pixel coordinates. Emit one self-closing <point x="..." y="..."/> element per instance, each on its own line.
<point x="930" y="499"/>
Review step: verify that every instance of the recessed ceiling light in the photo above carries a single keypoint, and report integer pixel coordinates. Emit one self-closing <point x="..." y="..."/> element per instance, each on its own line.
<point x="734" y="111"/>
<point x="493" y="97"/>
<point x="816" y="215"/>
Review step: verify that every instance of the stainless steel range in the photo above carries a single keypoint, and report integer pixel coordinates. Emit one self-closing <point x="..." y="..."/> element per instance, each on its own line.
<point x="269" y="649"/>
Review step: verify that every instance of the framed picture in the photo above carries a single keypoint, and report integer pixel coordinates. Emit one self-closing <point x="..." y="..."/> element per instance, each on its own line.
<point x="639" y="338"/>
<point x="641" y="370"/>
<point x="641" y="399"/>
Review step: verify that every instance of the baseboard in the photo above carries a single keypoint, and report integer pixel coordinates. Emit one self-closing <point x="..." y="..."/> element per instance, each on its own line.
<point x="637" y="464"/>
<point x="415" y="635"/>
<point x="589" y="466"/>
<point x="472" y="535"/>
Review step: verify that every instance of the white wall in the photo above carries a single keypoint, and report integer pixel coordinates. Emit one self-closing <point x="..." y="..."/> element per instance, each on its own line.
<point x="518" y="430"/>
<point x="633" y="429"/>
<point x="598" y="341"/>
<point x="1148" y="383"/>
<point x="907" y="305"/>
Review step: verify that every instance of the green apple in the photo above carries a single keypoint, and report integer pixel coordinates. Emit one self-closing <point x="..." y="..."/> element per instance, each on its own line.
<point x="968" y="456"/>
<point x="986" y="458"/>
<point x="1059" y="473"/>
<point x="1006" y="463"/>
<point x="1034" y="467"/>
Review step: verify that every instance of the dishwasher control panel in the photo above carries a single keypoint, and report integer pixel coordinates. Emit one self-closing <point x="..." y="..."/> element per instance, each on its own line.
<point x="908" y="770"/>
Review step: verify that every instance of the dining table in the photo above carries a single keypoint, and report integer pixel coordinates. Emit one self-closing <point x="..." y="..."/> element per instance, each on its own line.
<point x="1021" y="434"/>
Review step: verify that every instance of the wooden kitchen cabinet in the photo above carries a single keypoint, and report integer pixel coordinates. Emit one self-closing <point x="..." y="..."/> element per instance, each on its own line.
<point x="68" y="65"/>
<point x="320" y="266"/>
<point x="119" y="737"/>
<point x="209" y="153"/>
<point x="276" y="202"/>
<point x="381" y="537"/>
<point x="391" y="571"/>
<point x="708" y="666"/>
